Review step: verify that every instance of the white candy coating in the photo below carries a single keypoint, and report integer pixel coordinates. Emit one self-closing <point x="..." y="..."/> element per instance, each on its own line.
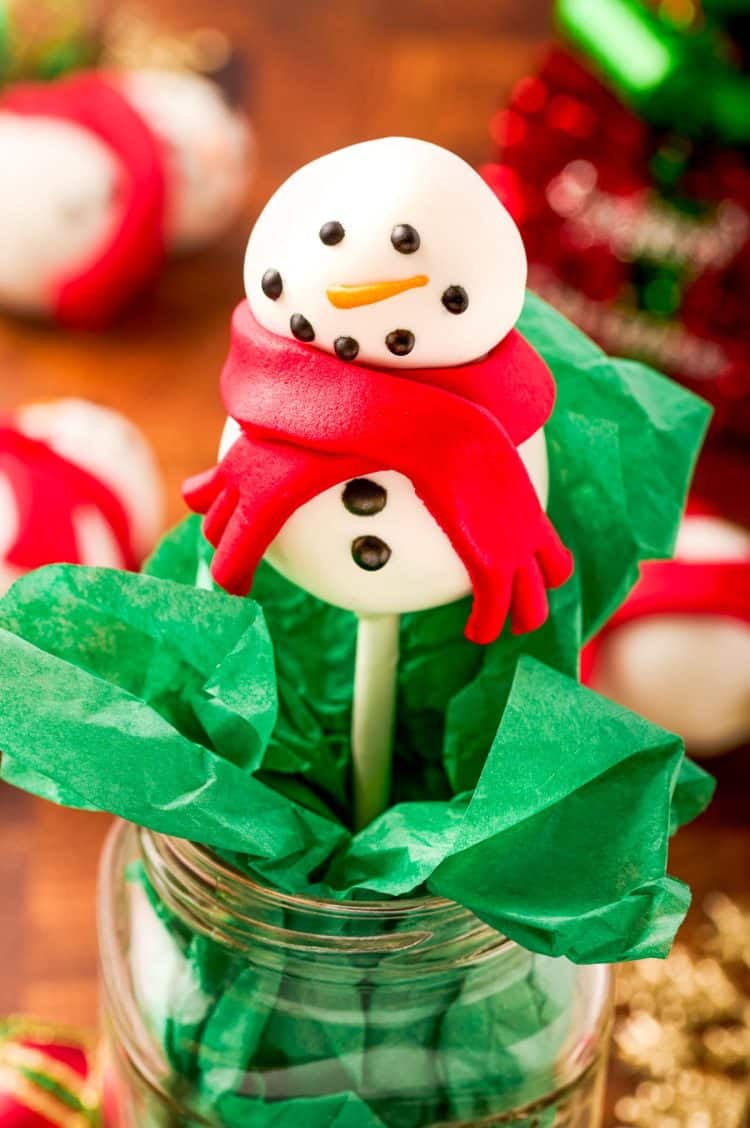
<point x="57" y="206"/>
<point x="111" y="448"/>
<point x="208" y="147"/>
<point x="466" y="238"/>
<point x="689" y="674"/>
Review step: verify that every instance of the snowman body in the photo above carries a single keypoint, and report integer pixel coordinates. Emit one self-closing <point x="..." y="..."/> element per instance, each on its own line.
<point x="688" y="673"/>
<point x="371" y="545"/>
<point x="392" y="253"/>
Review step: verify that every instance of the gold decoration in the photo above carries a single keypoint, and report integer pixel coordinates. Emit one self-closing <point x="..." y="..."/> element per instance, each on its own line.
<point x="683" y="1029"/>
<point x="133" y="39"/>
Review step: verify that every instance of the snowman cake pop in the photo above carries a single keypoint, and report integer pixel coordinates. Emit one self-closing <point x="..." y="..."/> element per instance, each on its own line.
<point x="78" y="484"/>
<point x="207" y="150"/>
<point x="385" y="446"/>
<point x="102" y="174"/>
<point x="678" y="651"/>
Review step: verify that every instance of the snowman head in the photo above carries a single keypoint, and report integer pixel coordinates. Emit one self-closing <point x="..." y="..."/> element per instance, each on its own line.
<point x="391" y="252"/>
<point x="207" y="147"/>
<point x="58" y="206"/>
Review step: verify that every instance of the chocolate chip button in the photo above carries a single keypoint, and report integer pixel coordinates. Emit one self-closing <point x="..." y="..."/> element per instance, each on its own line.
<point x="364" y="497"/>
<point x="370" y="553"/>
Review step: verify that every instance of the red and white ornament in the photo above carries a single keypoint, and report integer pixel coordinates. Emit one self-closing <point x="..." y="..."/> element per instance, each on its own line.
<point x="208" y="151"/>
<point x="105" y="173"/>
<point x="678" y="651"/>
<point x="78" y="484"/>
<point x="48" y="1077"/>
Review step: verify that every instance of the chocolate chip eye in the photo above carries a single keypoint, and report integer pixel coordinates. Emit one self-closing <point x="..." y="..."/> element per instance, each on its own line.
<point x="346" y="348"/>
<point x="455" y="299"/>
<point x="331" y="233"/>
<point x="271" y="284"/>
<point x="400" y="342"/>
<point x="405" y="238"/>
<point x="301" y="328"/>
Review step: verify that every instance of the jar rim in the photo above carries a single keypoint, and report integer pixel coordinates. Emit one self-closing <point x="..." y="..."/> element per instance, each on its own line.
<point x="365" y="907"/>
<point x="214" y="897"/>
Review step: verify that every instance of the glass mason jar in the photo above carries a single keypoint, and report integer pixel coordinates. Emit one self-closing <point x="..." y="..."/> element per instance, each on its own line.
<point x="229" y="1003"/>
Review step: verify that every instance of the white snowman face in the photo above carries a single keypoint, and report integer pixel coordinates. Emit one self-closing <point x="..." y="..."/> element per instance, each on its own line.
<point x="208" y="149"/>
<point x="392" y="252"/>
<point x="111" y="448"/>
<point x="58" y="206"/>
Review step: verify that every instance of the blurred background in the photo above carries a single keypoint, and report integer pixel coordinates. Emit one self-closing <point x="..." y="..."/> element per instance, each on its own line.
<point x="616" y="132"/>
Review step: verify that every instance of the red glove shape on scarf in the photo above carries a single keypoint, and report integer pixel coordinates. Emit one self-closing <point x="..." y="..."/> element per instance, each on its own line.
<point x="310" y="421"/>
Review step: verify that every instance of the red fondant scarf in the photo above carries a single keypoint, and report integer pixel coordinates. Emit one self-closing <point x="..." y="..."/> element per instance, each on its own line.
<point x="47" y="489"/>
<point x="310" y="421"/>
<point x="98" y="290"/>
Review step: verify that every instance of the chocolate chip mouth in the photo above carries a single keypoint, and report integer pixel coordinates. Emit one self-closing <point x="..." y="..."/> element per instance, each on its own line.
<point x="301" y="328"/>
<point x="400" y="342"/>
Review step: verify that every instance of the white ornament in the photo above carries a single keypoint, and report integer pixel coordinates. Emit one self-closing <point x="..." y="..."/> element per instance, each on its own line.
<point x="688" y="673"/>
<point x="57" y="206"/>
<point x="466" y="239"/>
<point x="208" y="150"/>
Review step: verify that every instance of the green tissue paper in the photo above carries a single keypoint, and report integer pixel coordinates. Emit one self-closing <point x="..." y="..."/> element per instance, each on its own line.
<point x="543" y="808"/>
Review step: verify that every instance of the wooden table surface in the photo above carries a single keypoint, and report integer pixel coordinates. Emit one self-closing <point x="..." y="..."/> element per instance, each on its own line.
<point x="325" y="73"/>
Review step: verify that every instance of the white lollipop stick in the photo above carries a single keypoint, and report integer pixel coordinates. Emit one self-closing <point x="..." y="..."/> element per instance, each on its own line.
<point x="373" y="714"/>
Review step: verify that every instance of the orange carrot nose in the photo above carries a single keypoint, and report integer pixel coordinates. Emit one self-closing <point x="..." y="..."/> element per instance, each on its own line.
<point x="349" y="297"/>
